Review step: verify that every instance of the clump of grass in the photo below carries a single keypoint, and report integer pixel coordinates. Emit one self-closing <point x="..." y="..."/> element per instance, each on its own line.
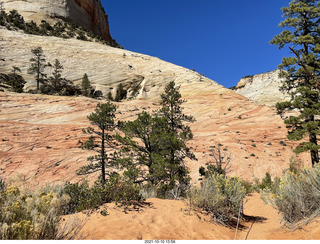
<point x="219" y="196"/>
<point x="296" y="195"/>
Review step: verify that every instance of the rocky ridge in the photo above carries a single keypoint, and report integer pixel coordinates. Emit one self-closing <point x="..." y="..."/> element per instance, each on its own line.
<point x="262" y="88"/>
<point x="87" y="13"/>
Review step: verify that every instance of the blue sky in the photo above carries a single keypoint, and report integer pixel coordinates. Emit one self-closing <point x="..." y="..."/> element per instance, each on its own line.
<point x="222" y="39"/>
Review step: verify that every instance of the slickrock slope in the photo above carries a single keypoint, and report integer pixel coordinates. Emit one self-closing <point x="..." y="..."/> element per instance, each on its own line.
<point x="142" y="75"/>
<point x="40" y="134"/>
<point x="262" y="88"/>
<point x="87" y="13"/>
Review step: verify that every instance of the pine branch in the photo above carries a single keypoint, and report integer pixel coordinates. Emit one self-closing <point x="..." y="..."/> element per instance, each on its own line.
<point x="303" y="64"/>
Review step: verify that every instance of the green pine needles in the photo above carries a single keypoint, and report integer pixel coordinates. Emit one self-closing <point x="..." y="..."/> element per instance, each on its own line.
<point x="302" y="73"/>
<point x="150" y="150"/>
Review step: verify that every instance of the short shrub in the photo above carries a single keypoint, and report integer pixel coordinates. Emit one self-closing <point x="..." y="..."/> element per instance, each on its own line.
<point x="148" y="191"/>
<point x="121" y="190"/>
<point x="296" y="195"/>
<point x="84" y="197"/>
<point x="220" y="196"/>
<point x="266" y="182"/>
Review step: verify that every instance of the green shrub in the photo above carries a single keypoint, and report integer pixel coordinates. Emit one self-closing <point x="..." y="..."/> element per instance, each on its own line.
<point x="84" y="197"/>
<point x="220" y="196"/>
<point x="15" y="81"/>
<point x="211" y="169"/>
<point x="266" y="182"/>
<point x="249" y="187"/>
<point x="296" y="195"/>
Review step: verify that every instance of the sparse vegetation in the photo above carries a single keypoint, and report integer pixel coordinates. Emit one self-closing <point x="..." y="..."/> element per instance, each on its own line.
<point x="35" y="215"/>
<point x="219" y="196"/>
<point x="14" y="21"/>
<point x="56" y="85"/>
<point x="296" y="195"/>
<point x="15" y="81"/>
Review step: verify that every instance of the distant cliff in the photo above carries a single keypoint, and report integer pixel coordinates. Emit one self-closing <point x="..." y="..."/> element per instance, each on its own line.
<point x="262" y="88"/>
<point x="87" y="13"/>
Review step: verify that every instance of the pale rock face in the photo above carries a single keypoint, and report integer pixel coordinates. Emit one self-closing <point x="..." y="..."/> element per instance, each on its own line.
<point x="87" y="13"/>
<point x="141" y="75"/>
<point x="263" y="88"/>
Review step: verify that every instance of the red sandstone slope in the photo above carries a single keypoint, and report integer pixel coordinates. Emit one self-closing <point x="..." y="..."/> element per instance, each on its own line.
<point x="40" y="134"/>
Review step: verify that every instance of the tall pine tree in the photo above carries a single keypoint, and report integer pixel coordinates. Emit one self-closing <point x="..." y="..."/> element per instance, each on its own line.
<point x="302" y="73"/>
<point x="101" y="141"/>
<point x="38" y="65"/>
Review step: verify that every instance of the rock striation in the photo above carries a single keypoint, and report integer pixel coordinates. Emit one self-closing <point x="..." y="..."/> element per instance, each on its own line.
<point x="87" y="13"/>
<point x="141" y="75"/>
<point x="262" y="88"/>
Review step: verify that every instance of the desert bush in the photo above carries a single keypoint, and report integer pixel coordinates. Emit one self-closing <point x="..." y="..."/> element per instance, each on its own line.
<point x="26" y="214"/>
<point x="249" y="186"/>
<point x="220" y="196"/>
<point x="296" y="195"/>
<point x="148" y="191"/>
<point x="172" y="192"/>
<point x="84" y="197"/>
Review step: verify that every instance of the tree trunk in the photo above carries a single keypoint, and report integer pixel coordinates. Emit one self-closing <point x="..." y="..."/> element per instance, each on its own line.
<point x="314" y="153"/>
<point x="103" y="170"/>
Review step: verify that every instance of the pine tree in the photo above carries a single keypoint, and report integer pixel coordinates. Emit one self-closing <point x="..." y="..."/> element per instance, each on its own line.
<point x="172" y="111"/>
<point x="156" y="143"/>
<point x="302" y="73"/>
<point x="38" y="65"/>
<point x="56" y="79"/>
<point x="101" y="141"/>
<point x="86" y="88"/>
<point x="145" y="143"/>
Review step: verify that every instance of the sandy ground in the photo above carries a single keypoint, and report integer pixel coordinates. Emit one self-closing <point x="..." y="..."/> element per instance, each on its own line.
<point x="160" y="219"/>
<point x="157" y="220"/>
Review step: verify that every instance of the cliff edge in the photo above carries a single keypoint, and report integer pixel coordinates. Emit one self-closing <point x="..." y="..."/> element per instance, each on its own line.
<point x="87" y="13"/>
<point x="262" y="88"/>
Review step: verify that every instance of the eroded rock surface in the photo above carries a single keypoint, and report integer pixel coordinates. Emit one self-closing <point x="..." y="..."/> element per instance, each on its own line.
<point x="141" y="75"/>
<point x="40" y="134"/>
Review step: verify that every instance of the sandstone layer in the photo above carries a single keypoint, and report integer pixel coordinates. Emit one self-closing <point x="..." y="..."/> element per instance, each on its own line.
<point x="262" y="88"/>
<point x="87" y="13"/>
<point x="40" y="134"/>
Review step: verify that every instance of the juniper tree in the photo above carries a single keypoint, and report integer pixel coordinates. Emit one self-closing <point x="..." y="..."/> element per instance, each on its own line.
<point x="302" y="73"/>
<point x="38" y="65"/>
<point x="101" y="141"/>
